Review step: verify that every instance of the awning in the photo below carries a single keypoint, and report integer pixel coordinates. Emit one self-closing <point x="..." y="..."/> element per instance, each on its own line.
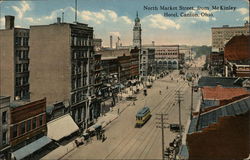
<point x="31" y="148"/>
<point x="61" y="127"/>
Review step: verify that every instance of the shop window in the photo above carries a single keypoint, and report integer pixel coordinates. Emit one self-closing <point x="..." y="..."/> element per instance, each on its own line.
<point x="22" y="127"/>
<point x="4" y="117"/>
<point x="41" y="120"/>
<point x="34" y="123"/>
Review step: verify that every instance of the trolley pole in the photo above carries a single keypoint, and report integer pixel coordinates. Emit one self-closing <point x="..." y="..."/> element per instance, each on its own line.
<point x="179" y="98"/>
<point x="192" y="92"/>
<point x="162" y="130"/>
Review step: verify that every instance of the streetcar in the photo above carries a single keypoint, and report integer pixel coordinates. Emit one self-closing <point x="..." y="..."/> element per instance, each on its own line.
<point x="142" y="116"/>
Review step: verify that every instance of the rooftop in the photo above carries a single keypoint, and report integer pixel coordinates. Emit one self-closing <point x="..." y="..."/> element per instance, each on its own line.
<point x="18" y="103"/>
<point x="233" y="109"/>
<point x="221" y="93"/>
<point x="223" y="81"/>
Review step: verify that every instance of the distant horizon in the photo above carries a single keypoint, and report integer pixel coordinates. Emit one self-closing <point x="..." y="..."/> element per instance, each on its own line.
<point x="116" y="18"/>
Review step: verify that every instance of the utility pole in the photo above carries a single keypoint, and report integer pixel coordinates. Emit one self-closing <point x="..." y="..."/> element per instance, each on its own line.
<point x="161" y="125"/>
<point x="192" y="92"/>
<point x="179" y="98"/>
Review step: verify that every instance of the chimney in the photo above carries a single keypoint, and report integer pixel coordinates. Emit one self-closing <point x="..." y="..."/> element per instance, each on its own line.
<point x="111" y="42"/>
<point x="9" y="22"/>
<point x="58" y="20"/>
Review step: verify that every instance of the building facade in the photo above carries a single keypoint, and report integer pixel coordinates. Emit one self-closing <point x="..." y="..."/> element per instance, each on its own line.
<point x="236" y="55"/>
<point x="14" y="61"/>
<point x="27" y="122"/>
<point x="216" y="63"/>
<point x="63" y="71"/>
<point x="5" y="127"/>
<point x="221" y="35"/>
<point x="134" y="66"/>
<point x="147" y="62"/>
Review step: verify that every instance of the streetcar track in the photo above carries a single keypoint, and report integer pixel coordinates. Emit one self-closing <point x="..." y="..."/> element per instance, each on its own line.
<point x="154" y="141"/>
<point x="133" y="139"/>
<point x="129" y="135"/>
<point x="153" y="132"/>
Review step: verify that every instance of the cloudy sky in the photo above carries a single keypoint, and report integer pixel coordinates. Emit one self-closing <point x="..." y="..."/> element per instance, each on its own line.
<point x="116" y="17"/>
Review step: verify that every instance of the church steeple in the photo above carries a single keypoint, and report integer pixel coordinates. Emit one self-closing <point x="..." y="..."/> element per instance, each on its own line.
<point x="137" y="32"/>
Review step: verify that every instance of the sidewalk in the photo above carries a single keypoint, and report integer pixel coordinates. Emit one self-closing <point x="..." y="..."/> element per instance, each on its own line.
<point x="105" y="120"/>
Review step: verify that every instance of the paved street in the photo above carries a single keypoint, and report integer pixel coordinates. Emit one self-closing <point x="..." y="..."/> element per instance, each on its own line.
<point x="124" y="141"/>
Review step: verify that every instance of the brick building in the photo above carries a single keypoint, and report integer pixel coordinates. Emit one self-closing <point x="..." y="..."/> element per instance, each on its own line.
<point x="216" y="63"/>
<point x="237" y="57"/>
<point x="14" y="61"/>
<point x="28" y="127"/>
<point x="134" y="60"/>
<point x="124" y="68"/>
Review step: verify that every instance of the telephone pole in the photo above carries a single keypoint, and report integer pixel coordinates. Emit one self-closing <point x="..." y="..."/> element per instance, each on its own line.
<point x="161" y="125"/>
<point x="179" y="98"/>
<point x="192" y="92"/>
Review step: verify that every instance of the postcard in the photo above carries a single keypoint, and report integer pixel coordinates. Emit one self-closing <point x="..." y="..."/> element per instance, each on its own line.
<point x="124" y="79"/>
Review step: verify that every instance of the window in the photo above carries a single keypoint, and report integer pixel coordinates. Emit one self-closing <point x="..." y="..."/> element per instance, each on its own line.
<point x="18" y="68"/>
<point x="14" y="131"/>
<point x="22" y="127"/>
<point x="28" y="125"/>
<point x="18" y="81"/>
<point x="34" y="123"/>
<point x="41" y="120"/>
<point x="18" y="41"/>
<point x="79" y="114"/>
<point x="4" y="137"/>
<point x="25" y="41"/>
<point x="73" y="98"/>
<point x="25" y="80"/>
<point x="25" y="67"/>
<point x="4" y="117"/>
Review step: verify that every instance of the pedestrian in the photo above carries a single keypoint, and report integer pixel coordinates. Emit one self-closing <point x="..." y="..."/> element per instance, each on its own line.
<point x="160" y="92"/>
<point x="167" y="87"/>
<point x="118" y="111"/>
<point x="133" y="102"/>
<point x="103" y="138"/>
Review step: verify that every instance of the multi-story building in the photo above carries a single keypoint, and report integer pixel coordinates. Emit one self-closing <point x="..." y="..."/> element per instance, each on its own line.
<point x="147" y="62"/>
<point x="62" y="67"/>
<point x="124" y="68"/>
<point x="14" y="60"/>
<point x="5" y="127"/>
<point x="27" y="125"/>
<point x="216" y="63"/>
<point x="97" y="82"/>
<point x="237" y="57"/>
<point x="221" y="35"/>
<point x="134" y="66"/>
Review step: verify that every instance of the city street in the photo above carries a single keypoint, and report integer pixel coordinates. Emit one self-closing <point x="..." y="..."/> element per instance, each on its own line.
<point x="124" y="141"/>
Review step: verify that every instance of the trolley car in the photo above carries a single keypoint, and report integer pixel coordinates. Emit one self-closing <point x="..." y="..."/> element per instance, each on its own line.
<point x="142" y="116"/>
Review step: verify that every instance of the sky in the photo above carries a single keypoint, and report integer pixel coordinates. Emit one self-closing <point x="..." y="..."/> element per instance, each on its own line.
<point x="116" y="18"/>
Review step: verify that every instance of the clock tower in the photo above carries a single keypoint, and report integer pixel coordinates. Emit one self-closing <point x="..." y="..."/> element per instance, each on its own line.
<point x="137" y="32"/>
